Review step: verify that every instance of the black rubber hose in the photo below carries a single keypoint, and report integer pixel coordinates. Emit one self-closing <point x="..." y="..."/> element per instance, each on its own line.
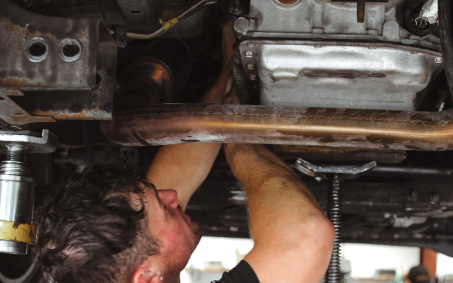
<point x="446" y="41"/>
<point x="239" y="79"/>
<point x="26" y="277"/>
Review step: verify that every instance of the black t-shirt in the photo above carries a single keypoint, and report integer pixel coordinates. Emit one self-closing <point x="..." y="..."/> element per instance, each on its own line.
<point x="242" y="273"/>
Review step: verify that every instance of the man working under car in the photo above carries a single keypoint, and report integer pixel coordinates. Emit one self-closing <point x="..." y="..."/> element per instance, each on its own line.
<point x="110" y="224"/>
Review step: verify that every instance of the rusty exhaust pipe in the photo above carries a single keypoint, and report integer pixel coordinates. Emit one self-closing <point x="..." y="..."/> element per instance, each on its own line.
<point x="218" y="123"/>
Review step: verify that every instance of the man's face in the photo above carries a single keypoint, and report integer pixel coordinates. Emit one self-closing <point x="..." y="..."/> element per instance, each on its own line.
<point x="178" y="235"/>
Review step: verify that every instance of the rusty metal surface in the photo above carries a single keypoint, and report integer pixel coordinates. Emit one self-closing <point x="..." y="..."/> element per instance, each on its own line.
<point x="71" y="105"/>
<point x="12" y="113"/>
<point x="182" y="123"/>
<point x="18" y="26"/>
<point x="55" y="88"/>
<point x="360" y="11"/>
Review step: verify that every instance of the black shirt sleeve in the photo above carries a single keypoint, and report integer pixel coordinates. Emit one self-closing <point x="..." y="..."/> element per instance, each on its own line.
<point x="242" y="273"/>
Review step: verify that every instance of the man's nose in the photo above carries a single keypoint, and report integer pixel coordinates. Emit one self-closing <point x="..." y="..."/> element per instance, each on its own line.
<point x="169" y="198"/>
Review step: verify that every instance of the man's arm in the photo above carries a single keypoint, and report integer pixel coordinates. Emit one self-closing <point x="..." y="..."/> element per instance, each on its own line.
<point x="183" y="167"/>
<point x="293" y="238"/>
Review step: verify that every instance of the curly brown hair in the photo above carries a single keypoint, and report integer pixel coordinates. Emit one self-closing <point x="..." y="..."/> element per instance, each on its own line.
<point x="90" y="233"/>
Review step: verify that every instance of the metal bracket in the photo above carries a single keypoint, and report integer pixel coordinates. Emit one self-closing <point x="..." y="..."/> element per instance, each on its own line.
<point x="120" y="35"/>
<point x="46" y="142"/>
<point x="13" y="113"/>
<point x="319" y="171"/>
<point x="82" y="85"/>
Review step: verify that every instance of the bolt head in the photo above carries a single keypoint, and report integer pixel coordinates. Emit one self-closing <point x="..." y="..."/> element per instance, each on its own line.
<point x="413" y="195"/>
<point x="434" y="197"/>
<point x="15" y="147"/>
<point x="236" y="10"/>
<point x="241" y="25"/>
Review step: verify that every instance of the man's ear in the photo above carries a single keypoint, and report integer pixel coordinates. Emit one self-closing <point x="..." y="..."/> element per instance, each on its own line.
<point x="150" y="271"/>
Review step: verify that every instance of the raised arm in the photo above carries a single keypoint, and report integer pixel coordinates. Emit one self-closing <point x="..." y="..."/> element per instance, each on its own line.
<point x="183" y="167"/>
<point x="293" y="238"/>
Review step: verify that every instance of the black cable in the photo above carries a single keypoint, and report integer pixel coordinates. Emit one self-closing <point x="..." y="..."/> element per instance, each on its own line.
<point x="446" y="41"/>
<point x="239" y="79"/>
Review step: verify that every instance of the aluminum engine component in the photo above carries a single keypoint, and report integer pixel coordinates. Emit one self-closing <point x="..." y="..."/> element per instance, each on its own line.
<point x="17" y="189"/>
<point x="339" y="75"/>
<point x="325" y="19"/>
<point x="323" y="57"/>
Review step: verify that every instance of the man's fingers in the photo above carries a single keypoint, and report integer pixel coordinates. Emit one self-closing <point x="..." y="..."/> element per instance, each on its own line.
<point x="231" y="97"/>
<point x="222" y="90"/>
<point x="229" y="68"/>
<point x="229" y="82"/>
<point x="234" y="98"/>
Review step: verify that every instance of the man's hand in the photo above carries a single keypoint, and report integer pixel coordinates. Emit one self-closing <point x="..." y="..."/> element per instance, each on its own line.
<point x="223" y="91"/>
<point x="183" y="167"/>
<point x="293" y="238"/>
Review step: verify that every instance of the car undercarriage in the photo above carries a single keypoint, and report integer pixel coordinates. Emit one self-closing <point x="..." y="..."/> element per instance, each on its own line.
<point x="337" y="83"/>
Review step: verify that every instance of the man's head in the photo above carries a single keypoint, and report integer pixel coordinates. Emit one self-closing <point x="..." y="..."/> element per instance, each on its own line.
<point x="419" y="274"/>
<point x="109" y="224"/>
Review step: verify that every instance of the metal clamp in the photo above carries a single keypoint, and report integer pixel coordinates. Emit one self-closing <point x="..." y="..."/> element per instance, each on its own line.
<point x="321" y="171"/>
<point x="33" y="142"/>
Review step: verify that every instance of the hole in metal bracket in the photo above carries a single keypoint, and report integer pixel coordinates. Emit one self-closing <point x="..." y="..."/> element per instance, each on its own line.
<point x="36" y="50"/>
<point x="70" y="49"/>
